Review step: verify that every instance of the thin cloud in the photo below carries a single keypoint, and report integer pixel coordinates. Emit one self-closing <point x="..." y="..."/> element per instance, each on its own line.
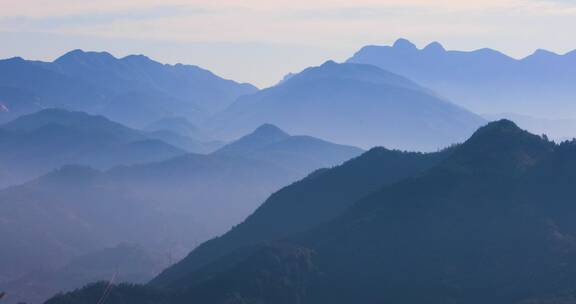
<point x="96" y="18"/>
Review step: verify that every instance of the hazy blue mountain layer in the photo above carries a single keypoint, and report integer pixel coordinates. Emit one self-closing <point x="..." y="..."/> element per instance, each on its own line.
<point x="355" y="104"/>
<point x="489" y="222"/>
<point x="34" y="144"/>
<point x="166" y="207"/>
<point x="485" y="80"/>
<point x="134" y="90"/>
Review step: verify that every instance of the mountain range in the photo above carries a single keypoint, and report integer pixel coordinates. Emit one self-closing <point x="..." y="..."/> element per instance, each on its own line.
<point x="34" y="144"/>
<point x="165" y="207"/>
<point x="485" y="81"/>
<point x="356" y="104"/>
<point x="344" y="103"/>
<point x="536" y="91"/>
<point x="486" y="221"/>
<point x="198" y="189"/>
<point x="298" y="207"/>
<point x="133" y="90"/>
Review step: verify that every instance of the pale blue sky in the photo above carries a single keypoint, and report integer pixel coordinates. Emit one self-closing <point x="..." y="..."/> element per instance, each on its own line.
<point x="259" y="41"/>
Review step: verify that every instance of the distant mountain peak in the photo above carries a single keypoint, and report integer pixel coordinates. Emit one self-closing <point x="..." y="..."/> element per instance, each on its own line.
<point x="543" y="52"/>
<point x="499" y="126"/>
<point x="75" y="52"/>
<point x="434" y="47"/>
<point x="264" y="135"/>
<point x="357" y="71"/>
<point x="499" y="130"/>
<point x="329" y="63"/>
<point x="269" y="130"/>
<point x="138" y="59"/>
<point x="404" y="44"/>
<point x="503" y="144"/>
<point x="342" y="93"/>
<point x="81" y="55"/>
<point x="13" y="59"/>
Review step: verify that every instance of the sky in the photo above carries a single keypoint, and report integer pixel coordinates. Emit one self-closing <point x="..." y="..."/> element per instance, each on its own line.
<point x="259" y="41"/>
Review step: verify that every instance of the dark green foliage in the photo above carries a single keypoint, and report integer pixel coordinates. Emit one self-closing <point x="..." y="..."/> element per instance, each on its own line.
<point x="103" y="292"/>
<point x="277" y="273"/>
<point x="566" y="297"/>
<point x="167" y="207"/>
<point x="304" y="204"/>
<point x="491" y="222"/>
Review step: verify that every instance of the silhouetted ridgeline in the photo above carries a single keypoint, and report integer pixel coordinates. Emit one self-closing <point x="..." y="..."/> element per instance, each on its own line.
<point x="133" y="90"/>
<point x="73" y="218"/>
<point x="490" y="221"/>
<point x="298" y="207"/>
<point x="485" y="80"/>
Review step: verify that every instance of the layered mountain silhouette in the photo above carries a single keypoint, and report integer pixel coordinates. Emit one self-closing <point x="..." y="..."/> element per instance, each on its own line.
<point x="166" y="207"/>
<point x="355" y="104"/>
<point x="35" y="144"/>
<point x="317" y="198"/>
<point x="133" y="90"/>
<point x="485" y="80"/>
<point x="206" y="190"/>
<point x="269" y="143"/>
<point x="490" y="222"/>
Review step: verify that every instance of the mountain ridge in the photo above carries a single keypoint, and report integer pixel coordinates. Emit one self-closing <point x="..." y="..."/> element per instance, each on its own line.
<point x="166" y="206"/>
<point x="353" y="104"/>
<point x="134" y="90"/>
<point x="483" y="80"/>
<point x="367" y="173"/>
<point x="34" y="144"/>
<point x="482" y="215"/>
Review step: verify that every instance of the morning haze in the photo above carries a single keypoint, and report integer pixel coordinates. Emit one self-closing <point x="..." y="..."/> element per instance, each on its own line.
<point x="287" y="152"/>
<point x="285" y="36"/>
